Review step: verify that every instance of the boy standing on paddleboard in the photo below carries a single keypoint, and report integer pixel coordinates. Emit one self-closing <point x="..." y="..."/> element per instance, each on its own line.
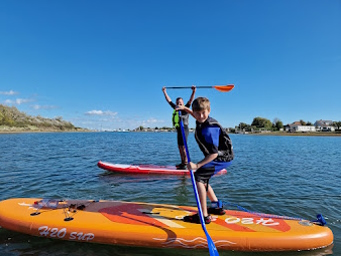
<point x="184" y="117"/>
<point x="217" y="148"/>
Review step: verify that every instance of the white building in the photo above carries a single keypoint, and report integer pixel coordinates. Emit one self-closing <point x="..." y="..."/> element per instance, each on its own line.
<point x="298" y="127"/>
<point x="324" y="125"/>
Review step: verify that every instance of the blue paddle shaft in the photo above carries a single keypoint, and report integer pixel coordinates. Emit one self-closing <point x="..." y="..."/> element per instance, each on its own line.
<point x="212" y="248"/>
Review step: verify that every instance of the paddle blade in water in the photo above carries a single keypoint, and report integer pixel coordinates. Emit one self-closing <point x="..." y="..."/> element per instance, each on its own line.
<point x="211" y="247"/>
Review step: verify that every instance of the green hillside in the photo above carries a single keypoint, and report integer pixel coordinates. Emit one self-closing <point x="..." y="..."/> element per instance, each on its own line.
<point x="11" y="119"/>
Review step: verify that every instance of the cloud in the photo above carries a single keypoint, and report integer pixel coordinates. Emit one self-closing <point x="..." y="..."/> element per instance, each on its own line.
<point x="149" y="122"/>
<point x="152" y="121"/>
<point x="9" y="93"/>
<point x="18" y="101"/>
<point x="38" y="107"/>
<point x="103" y="122"/>
<point x="100" y="113"/>
<point x="94" y="113"/>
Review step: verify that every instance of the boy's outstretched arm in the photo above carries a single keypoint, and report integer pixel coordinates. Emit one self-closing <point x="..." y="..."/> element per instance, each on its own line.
<point x="184" y="108"/>
<point x="168" y="99"/>
<point x="192" y="95"/>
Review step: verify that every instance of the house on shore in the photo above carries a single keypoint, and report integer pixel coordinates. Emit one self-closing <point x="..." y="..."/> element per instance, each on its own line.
<point x="324" y="125"/>
<point x="319" y="126"/>
<point x="298" y="127"/>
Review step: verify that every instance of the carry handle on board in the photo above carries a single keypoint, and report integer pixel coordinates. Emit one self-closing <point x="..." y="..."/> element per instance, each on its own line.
<point x="212" y="248"/>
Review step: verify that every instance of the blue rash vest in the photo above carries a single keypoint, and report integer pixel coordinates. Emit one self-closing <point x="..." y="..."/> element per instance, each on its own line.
<point x="212" y="138"/>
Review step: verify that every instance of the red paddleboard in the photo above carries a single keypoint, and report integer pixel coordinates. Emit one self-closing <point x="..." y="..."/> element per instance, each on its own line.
<point x="146" y="169"/>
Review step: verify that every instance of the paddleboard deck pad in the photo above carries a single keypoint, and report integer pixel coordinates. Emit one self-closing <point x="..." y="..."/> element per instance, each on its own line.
<point x="157" y="225"/>
<point x="146" y="169"/>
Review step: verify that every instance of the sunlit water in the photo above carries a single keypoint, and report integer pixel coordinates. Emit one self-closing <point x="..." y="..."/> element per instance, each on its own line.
<point x="293" y="176"/>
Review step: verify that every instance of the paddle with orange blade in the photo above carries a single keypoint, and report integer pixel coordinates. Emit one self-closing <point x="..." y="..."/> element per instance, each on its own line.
<point x="221" y="88"/>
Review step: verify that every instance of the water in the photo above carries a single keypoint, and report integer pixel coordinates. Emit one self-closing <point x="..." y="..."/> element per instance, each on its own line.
<point x="293" y="176"/>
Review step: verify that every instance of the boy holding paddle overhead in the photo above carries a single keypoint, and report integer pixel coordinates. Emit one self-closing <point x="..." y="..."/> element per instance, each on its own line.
<point x="217" y="148"/>
<point x="184" y="117"/>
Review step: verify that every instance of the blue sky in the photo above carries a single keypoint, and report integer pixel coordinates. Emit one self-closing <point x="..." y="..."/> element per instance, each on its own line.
<point x="102" y="64"/>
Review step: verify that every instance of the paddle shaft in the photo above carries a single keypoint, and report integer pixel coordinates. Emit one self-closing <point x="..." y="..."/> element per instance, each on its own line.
<point x="187" y="87"/>
<point x="212" y="248"/>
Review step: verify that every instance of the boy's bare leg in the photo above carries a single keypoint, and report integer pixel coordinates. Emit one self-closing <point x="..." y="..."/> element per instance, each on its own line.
<point x="211" y="195"/>
<point x="202" y="195"/>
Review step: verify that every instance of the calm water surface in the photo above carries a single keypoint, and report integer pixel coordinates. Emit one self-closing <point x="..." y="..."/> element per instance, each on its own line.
<point x="294" y="176"/>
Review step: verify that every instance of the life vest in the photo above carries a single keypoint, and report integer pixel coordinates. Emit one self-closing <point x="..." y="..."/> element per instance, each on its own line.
<point x="176" y="119"/>
<point x="225" y="148"/>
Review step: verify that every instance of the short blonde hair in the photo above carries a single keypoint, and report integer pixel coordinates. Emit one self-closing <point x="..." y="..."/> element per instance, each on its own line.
<point x="201" y="103"/>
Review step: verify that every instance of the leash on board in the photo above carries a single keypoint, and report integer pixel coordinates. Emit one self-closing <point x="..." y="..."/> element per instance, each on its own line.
<point x="320" y="220"/>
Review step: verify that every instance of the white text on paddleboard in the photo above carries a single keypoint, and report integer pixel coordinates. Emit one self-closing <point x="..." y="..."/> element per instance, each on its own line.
<point x="61" y="233"/>
<point x="250" y="221"/>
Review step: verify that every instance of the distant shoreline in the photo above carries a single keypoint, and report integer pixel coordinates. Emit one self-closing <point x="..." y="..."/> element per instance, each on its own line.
<point x="20" y="132"/>
<point x="16" y="130"/>
<point x="317" y="134"/>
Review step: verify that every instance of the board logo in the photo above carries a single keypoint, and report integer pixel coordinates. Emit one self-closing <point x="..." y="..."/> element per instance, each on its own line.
<point x="62" y="233"/>
<point x="251" y="221"/>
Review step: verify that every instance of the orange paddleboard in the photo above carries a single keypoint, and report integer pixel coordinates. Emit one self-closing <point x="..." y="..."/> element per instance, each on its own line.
<point x="157" y="225"/>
